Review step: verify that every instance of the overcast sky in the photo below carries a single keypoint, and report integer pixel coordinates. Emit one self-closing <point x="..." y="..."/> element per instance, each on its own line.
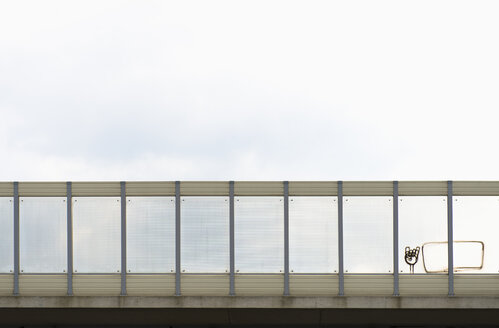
<point x="249" y="90"/>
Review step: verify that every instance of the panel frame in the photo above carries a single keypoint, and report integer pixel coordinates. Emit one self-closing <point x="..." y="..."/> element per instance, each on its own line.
<point x="73" y="196"/>
<point x="334" y="215"/>
<point x="22" y="271"/>
<point x="443" y="219"/>
<point x="458" y="200"/>
<point x="167" y="199"/>
<point x="226" y="201"/>
<point x="390" y="255"/>
<point x="281" y="271"/>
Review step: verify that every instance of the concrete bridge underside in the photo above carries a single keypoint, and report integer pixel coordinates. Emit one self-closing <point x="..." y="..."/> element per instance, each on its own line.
<point x="263" y="311"/>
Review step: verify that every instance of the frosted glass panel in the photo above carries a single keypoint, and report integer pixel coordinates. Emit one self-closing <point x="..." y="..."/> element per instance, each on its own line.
<point x="368" y="234"/>
<point x="150" y="234"/>
<point x="97" y="234"/>
<point x="43" y="234"/>
<point x="476" y="218"/>
<point x="313" y="234"/>
<point x="205" y="234"/>
<point x="259" y="234"/>
<point x="6" y="234"/>
<point x="423" y="219"/>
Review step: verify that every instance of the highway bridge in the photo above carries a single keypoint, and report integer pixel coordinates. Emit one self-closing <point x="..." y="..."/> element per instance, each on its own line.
<point x="267" y="253"/>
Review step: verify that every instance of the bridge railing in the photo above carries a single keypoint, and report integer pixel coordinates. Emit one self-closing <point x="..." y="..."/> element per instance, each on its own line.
<point x="249" y="238"/>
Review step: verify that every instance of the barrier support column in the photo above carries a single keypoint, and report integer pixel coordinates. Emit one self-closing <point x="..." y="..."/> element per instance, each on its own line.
<point x="286" y="238"/>
<point x="177" y="238"/>
<point x="232" y="288"/>
<point x="450" y="239"/>
<point x="341" y="275"/>
<point x="123" y="238"/>
<point x="69" y="204"/>
<point x="395" y="238"/>
<point x="16" y="238"/>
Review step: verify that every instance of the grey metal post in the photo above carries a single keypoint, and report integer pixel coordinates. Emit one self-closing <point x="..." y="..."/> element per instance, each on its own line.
<point x="286" y="238"/>
<point x="16" y="238"/>
<point x="232" y="289"/>
<point x="177" y="238"/>
<point x="69" y="205"/>
<point x="450" y="239"/>
<point x="395" y="238"/>
<point x="123" y="238"/>
<point x="341" y="275"/>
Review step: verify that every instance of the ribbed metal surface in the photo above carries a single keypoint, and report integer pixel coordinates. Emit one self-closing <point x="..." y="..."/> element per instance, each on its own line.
<point x="205" y="188"/>
<point x="368" y="285"/>
<point x="43" y="285"/>
<point x="313" y="188"/>
<point x="42" y="188"/>
<point x="205" y="285"/>
<point x="151" y="188"/>
<point x="476" y="188"/>
<point x="313" y="285"/>
<point x="367" y="188"/>
<point x="6" y="284"/>
<point x="410" y="285"/>
<point x="151" y="285"/>
<point x="478" y="284"/>
<point x="423" y="188"/>
<point x="96" y="189"/>
<point x="6" y="189"/>
<point x="254" y="188"/>
<point x="258" y="188"/>
<point x="259" y="285"/>
<point x="97" y="285"/>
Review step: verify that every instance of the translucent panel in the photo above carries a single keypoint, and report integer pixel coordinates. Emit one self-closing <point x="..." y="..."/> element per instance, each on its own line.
<point x="476" y="218"/>
<point x="205" y="234"/>
<point x="313" y="234"/>
<point x="43" y="234"/>
<point x="259" y="234"/>
<point x="423" y="219"/>
<point x="368" y="234"/>
<point x="150" y="234"/>
<point x="6" y="234"/>
<point x="96" y="234"/>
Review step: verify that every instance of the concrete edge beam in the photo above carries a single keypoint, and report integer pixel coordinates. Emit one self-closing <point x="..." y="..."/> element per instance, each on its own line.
<point x="247" y="302"/>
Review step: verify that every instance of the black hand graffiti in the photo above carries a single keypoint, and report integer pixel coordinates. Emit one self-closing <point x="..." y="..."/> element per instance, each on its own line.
<point x="411" y="257"/>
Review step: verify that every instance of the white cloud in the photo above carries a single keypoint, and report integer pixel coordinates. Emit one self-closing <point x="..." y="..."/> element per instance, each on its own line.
<point x="127" y="90"/>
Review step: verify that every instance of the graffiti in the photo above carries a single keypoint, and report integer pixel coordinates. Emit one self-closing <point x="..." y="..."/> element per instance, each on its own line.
<point x="411" y="257"/>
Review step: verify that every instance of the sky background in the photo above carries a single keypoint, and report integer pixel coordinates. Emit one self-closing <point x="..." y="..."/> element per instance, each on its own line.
<point x="249" y="90"/>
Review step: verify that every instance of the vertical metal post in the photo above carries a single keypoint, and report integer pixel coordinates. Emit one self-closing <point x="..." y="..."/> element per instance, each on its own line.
<point x="232" y="289"/>
<point x="341" y="275"/>
<point x="395" y="238"/>
<point x="16" y="238"/>
<point x="450" y="239"/>
<point x="69" y="250"/>
<point x="286" y="238"/>
<point x="123" y="238"/>
<point x="177" y="238"/>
